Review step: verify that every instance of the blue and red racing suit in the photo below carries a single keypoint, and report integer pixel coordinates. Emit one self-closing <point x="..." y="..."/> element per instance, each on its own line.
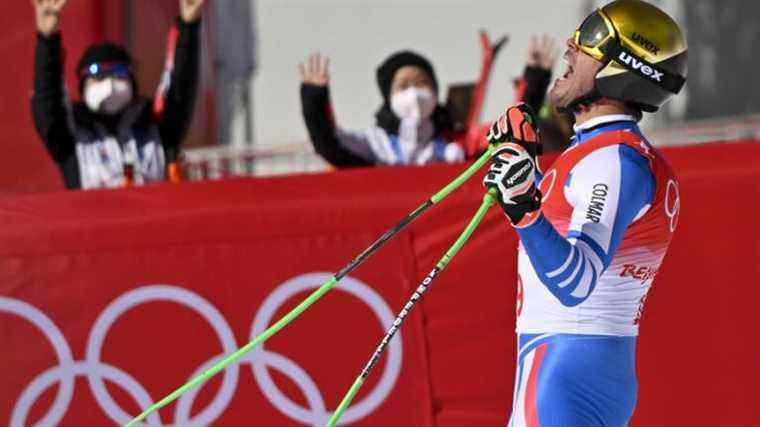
<point x="610" y="207"/>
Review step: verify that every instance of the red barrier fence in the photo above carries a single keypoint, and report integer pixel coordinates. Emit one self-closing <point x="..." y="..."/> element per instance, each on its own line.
<point x="110" y="299"/>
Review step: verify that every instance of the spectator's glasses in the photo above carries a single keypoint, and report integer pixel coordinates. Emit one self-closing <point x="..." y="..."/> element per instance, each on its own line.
<point x="593" y="34"/>
<point x="106" y="69"/>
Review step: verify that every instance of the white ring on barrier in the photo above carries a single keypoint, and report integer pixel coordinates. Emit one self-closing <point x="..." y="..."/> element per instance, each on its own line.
<point x="261" y="360"/>
<point x="364" y="293"/>
<point x="66" y="391"/>
<point x="52" y="375"/>
<point x="142" y="295"/>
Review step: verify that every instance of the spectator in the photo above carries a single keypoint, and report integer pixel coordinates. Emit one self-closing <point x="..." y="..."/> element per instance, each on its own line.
<point x="113" y="137"/>
<point x="411" y="126"/>
<point x="532" y="87"/>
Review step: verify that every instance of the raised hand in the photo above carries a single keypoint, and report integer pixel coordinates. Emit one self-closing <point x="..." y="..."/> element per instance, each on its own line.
<point x="48" y="15"/>
<point x="315" y="70"/>
<point x="542" y="52"/>
<point x="190" y="10"/>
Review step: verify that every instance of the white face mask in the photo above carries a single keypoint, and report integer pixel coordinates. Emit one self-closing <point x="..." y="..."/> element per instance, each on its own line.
<point x="109" y="95"/>
<point x="413" y="103"/>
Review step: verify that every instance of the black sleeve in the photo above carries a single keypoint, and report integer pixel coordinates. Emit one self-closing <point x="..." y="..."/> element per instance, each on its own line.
<point x="48" y="101"/>
<point x="183" y="87"/>
<point x="315" y="104"/>
<point x="537" y="81"/>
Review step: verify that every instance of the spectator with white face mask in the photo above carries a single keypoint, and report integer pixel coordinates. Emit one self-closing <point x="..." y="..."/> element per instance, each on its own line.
<point x="114" y="137"/>
<point x="412" y="128"/>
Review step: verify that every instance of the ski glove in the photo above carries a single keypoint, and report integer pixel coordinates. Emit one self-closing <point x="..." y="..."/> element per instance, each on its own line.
<point x="519" y="124"/>
<point x="513" y="171"/>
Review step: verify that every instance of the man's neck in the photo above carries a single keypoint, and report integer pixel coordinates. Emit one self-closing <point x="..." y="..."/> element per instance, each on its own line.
<point x="600" y="108"/>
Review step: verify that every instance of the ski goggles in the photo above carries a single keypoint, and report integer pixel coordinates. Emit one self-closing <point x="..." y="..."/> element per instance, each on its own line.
<point x="594" y="34"/>
<point x="598" y="38"/>
<point x="106" y="69"/>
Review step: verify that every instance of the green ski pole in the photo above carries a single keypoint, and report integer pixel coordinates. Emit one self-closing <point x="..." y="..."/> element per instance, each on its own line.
<point x="488" y="200"/>
<point x="319" y="292"/>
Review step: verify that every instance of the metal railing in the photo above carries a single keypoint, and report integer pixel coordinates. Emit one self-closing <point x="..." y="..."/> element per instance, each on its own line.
<point x="221" y="162"/>
<point x="227" y="161"/>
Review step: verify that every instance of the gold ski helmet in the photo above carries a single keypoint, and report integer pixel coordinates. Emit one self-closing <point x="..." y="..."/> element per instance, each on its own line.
<point x="643" y="52"/>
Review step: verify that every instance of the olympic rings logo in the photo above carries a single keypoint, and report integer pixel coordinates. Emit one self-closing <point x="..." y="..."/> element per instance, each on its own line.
<point x="96" y="371"/>
<point x="672" y="204"/>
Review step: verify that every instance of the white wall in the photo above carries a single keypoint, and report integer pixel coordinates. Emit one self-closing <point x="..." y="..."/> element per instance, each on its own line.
<point x="359" y="34"/>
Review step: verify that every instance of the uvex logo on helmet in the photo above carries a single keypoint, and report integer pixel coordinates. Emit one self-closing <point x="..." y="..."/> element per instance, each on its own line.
<point x="645" y="43"/>
<point x="639" y="66"/>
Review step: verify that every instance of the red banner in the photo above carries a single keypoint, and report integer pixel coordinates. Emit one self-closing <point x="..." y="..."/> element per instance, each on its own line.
<point x="109" y="300"/>
<point x="107" y="314"/>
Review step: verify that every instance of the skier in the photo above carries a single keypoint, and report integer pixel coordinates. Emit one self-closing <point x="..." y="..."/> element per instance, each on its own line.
<point x="595" y="227"/>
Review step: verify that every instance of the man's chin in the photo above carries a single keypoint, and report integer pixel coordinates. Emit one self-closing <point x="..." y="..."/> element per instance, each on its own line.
<point x="557" y="98"/>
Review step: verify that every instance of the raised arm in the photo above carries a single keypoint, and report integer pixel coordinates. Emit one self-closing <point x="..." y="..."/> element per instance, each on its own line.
<point x="318" y="115"/>
<point x="179" y="86"/>
<point x="49" y="104"/>
<point x="542" y="54"/>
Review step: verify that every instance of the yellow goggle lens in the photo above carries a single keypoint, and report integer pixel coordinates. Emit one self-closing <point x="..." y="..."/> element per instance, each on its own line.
<point x="592" y="34"/>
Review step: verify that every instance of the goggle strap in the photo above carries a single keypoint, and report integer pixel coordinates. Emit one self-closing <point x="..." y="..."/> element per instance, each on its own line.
<point x="109" y="68"/>
<point x="643" y="68"/>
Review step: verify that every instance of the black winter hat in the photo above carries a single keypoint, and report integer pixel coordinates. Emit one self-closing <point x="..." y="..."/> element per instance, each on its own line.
<point x="388" y="68"/>
<point x="102" y="53"/>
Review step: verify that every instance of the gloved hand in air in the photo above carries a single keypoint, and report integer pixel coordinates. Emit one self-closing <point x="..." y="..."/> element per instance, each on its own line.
<point x="513" y="172"/>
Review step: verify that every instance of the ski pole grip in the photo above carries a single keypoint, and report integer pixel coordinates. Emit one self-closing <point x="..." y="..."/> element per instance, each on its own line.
<point x="491" y="195"/>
